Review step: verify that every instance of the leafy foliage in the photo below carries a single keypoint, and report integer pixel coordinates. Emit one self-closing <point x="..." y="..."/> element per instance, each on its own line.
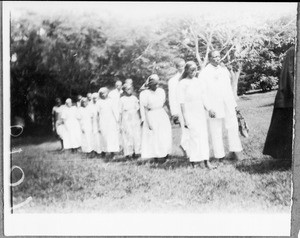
<point x="63" y="55"/>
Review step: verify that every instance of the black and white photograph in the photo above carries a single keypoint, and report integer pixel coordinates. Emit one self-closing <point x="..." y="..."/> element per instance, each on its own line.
<point x="149" y="118"/>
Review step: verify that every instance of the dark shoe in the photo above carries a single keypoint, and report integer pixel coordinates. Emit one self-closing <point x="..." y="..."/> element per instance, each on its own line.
<point x="136" y="156"/>
<point x="92" y="155"/>
<point x="209" y="165"/>
<point x="102" y="155"/>
<point x="232" y="156"/>
<point x="221" y="159"/>
<point x="162" y="160"/>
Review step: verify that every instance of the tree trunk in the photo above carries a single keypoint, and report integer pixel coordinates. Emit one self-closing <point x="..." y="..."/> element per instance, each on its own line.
<point x="234" y="81"/>
<point x="197" y="53"/>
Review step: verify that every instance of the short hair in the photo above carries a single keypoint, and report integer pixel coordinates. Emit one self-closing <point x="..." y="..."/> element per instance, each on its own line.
<point x="57" y="100"/>
<point x="187" y="66"/>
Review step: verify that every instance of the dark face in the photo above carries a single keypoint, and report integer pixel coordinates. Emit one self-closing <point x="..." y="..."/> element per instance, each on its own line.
<point x="180" y="66"/>
<point x="69" y="103"/>
<point x="118" y="85"/>
<point x="215" y="58"/>
<point x="89" y="96"/>
<point x="128" y="91"/>
<point x="58" y="102"/>
<point x="103" y="95"/>
<point x="153" y="84"/>
<point x="84" y="103"/>
<point x="79" y="98"/>
<point x="192" y="71"/>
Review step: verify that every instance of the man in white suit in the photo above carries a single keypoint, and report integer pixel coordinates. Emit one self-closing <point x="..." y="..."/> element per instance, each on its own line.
<point x="173" y="101"/>
<point x="216" y="78"/>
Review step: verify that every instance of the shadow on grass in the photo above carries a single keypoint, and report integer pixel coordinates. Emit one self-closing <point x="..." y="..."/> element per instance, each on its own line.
<point x="267" y="105"/>
<point x="171" y="163"/>
<point x="259" y="91"/>
<point x="263" y="166"/>
<point x="32" y="140"/>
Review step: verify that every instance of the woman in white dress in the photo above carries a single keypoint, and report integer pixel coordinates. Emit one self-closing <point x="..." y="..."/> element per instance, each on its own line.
<point x="57" y="123"/>
<point x="108" y="116"/>
<point x="193" y="103"/>
<point x="96" y="143"/>
<point x="86" y="123"/>
<point x="156" y="130"/>
<point x="130" y="122"/>
<point x="70" y="117"/>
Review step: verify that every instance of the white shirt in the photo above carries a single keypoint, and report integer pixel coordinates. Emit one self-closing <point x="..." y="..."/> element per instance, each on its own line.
<point x="218" y="89"/>
<point x="173" y="89"/>
<point x="115" y="95"/>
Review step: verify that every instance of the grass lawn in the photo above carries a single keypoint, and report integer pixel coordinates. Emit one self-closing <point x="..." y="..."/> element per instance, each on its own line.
<point x="65" y="182"/>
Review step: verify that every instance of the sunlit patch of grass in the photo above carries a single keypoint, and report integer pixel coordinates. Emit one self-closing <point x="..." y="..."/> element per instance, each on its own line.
<point x="66" y="182"/>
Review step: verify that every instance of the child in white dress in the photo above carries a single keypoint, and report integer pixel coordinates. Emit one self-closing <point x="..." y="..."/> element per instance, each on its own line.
<point x="70" y="117"/>
<point x="130" y="122"/>
<point x="108" y="119"/>
<point x="86" y="122"/>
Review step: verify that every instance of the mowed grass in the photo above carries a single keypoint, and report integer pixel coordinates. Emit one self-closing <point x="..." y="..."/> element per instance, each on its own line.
<point x="66" y="182"/>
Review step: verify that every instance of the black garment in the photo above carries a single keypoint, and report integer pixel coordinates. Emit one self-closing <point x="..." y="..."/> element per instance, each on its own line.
<point x="280" y="135"/>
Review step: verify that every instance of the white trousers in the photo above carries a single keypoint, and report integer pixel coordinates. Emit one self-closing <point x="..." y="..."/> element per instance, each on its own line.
<point x="216" y="131"/>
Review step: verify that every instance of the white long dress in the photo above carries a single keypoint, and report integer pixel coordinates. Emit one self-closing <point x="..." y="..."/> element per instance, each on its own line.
<point x="70" y="117"/>
<point x="115" y="96"/>
<point x="192" y="95"/>
<point x="96" y="139"/>
<point x="130" y="125"/>
<point x="109" y="129"/>
<point x="86" y="122"/>
<point x="156" y="143"/>
<point x="175" y="107"/>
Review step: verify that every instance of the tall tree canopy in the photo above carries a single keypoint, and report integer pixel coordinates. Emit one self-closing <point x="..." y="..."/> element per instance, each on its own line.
<point x="62" y="55"/>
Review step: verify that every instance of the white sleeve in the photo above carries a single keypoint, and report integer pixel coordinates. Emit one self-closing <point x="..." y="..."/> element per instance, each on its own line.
<point x="173" y="101"/>
<point x="204" y="97"/>
<point x="181" y="91"/>
<point x="136" y="103"/>
<point x="163" y="95"/>
<point x="143" y="103"/>
<point x="63" y="114"/>
<point x="228" y="87"/>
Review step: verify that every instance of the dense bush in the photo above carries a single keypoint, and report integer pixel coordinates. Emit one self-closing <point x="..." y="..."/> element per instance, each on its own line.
<point x="64" y="56"/>
<point x="267" y="83"/>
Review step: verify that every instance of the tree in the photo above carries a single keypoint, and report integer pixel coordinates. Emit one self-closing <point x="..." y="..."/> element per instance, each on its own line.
<point x="241" y="43"/>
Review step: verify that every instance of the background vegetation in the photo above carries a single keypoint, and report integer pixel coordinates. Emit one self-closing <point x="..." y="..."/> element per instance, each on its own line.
<point x="65" y="54"/>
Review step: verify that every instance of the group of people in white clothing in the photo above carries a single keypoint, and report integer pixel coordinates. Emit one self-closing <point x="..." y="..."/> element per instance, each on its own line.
<point x="101" y="122"/>
<point x="108" y="122"/>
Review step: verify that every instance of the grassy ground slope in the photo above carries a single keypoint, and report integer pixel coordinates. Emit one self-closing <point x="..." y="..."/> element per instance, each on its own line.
<point x="65" y="182"/>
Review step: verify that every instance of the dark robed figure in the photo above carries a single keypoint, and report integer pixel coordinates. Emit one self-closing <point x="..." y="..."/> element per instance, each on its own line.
<point x="279" y="139"/>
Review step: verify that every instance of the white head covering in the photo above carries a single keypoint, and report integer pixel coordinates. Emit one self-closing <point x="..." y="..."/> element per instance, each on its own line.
<point x="95" y="95"/>
<point x="103" y="90"/>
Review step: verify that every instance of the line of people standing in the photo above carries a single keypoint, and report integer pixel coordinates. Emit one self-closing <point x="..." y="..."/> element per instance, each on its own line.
<point x="101" y="123"/>
<point x="120" y="120"/>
